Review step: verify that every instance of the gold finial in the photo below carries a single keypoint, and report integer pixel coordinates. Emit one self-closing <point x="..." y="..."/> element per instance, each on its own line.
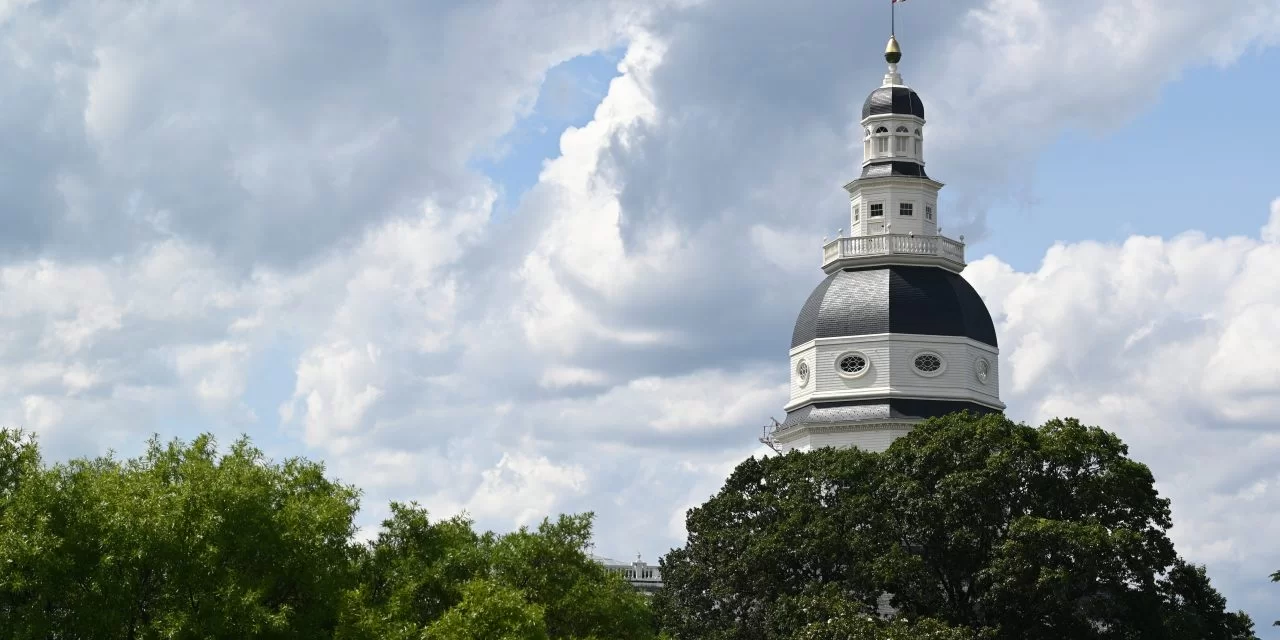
<point x="891" y="52"/>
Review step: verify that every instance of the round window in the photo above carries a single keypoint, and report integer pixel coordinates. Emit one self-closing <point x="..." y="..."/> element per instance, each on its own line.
<point x="852" y="364"/>
<point x="928" y="363"/>
<point x="802" y="373"/>
<point x="983" y="369"/>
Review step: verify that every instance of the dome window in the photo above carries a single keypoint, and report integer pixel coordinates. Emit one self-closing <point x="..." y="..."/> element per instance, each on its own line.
<point x="906" y="209"/>
<point x="929" y="364"/>
<point x="855" y="213"/>
<point x="876" y="211"/>
<point x="982" y="369"/>
<point x="928" y="213"/>
<point x="902" y="141"/>
<point x="802" y="373"/>
<point x="851" y="365"/>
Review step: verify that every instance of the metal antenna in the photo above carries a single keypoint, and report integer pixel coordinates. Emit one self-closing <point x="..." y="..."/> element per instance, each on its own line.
<point x="767" y="433"/>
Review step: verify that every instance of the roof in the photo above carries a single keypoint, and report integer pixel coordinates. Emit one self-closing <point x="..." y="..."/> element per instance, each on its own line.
<point x="894" y="168"/>
<point x="877" y="410"/>
<point x="893" y="99"/>
<point x="894" y="299"/>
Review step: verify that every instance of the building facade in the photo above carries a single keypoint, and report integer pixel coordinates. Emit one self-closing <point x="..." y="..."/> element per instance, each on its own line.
<point x="894" y="334"/>
<point x="646" y="579"/>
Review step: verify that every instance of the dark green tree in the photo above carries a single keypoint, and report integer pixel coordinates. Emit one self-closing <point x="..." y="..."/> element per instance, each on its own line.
<point x="973" y="521"/>
<point x="1275" y="577"/>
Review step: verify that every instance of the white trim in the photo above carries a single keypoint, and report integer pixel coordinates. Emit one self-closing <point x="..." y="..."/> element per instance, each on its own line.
<point x="799" y="431"/>
<point x="899" y="391"/>
<point x="894" y="337"/>
<point x="877" y="117"/>
<point x="942" y="363"/>
<point x="866" y="365"/>
<point x="855" y="185"/>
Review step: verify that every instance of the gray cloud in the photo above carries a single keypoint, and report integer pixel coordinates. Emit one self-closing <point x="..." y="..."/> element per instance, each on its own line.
<point x="195" y="188"/>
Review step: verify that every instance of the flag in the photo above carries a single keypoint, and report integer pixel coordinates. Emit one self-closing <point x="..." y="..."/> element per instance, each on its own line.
<point x="896" y="1"/>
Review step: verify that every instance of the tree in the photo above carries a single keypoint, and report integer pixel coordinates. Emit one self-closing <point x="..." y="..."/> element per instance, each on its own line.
<point x="973" y="521"/>
<point x="490" y="611"/>
<point x="184" y="542"/>
<point x="180" y="542"/>
<point x="442" y="578"/>
<point x="1275" y="577"/>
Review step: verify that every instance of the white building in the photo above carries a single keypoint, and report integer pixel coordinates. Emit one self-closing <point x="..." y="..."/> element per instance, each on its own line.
<point x="894" y="334"/>
<point x="644" y="578"/>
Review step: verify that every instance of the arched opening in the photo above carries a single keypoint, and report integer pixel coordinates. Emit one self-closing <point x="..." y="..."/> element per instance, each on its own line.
<point x="902" y="141"/>
<point x="882" y="140"/>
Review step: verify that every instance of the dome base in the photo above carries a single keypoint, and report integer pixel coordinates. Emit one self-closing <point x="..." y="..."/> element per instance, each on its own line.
<point x="870" y="425"/>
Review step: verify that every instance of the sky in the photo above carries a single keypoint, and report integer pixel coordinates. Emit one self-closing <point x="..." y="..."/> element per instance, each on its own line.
<point x="525" y="257"/>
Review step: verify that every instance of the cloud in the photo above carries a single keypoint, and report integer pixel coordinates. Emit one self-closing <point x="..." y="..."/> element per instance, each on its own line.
<point x="267" y="133"/>
<point x="1167" y="343"/>
<point x="208" y="192"/>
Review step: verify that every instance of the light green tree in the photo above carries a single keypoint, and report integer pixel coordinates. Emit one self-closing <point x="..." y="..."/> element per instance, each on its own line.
<point x="179" y="543"/>
<point x="186" y="542"/>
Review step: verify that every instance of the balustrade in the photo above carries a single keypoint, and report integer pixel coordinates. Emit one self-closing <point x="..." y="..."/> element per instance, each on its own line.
<point x="892" y="244"/>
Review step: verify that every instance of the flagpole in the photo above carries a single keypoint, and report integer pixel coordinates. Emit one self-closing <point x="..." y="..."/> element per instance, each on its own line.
<point x="893" y="17"/>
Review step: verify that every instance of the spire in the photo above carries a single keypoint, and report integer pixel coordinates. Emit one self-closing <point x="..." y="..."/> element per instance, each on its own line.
<point x="892" y="54"/>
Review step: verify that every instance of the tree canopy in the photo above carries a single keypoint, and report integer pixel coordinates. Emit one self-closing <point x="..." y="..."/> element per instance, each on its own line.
<point x="972" y="526"/>
<point x="187" y="542"/>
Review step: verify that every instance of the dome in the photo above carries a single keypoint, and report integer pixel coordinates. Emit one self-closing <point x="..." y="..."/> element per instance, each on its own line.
<point x="894" y="299"/>
<point x="893" y="100"/>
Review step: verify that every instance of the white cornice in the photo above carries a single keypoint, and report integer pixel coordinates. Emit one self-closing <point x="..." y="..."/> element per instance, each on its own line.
<point x="913" y="392"/>
<point x="876" y="117"/>
<point x="905" y="181"/>
<point x="795" y="433"/>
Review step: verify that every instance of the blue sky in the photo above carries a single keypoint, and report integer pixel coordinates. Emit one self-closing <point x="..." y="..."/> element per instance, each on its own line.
<point x="1102" y="185"/>
<point x="1202" y="157"/>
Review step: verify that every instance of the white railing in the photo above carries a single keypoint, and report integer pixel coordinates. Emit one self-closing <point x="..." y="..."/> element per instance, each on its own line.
<point x="892" y="244"/>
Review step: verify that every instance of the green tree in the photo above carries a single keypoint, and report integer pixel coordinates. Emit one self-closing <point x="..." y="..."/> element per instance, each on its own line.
<point x="184" y="542"/>
<point x="1275" y="577"/>
<point x="419" y="576"/>
<point x="974" y="521"/>
<point x="490" y="611"/>
<point x="180" y="543"/>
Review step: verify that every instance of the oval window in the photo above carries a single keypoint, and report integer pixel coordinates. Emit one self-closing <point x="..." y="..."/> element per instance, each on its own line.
<point x="851" y="364"/>
<point x="928" y="363"/>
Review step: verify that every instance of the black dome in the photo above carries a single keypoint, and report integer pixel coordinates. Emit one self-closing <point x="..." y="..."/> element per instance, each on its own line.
<point x="896" y="299"/>
<point x="895" y="100"/>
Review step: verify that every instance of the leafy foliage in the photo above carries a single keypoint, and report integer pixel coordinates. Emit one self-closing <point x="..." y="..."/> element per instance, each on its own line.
<point x="971" y="521"/>
<point x="177" y="543"/>
<point x="183" y="542"/>
<point x="422" y="575"/>
<point x="1275" y="577"/>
